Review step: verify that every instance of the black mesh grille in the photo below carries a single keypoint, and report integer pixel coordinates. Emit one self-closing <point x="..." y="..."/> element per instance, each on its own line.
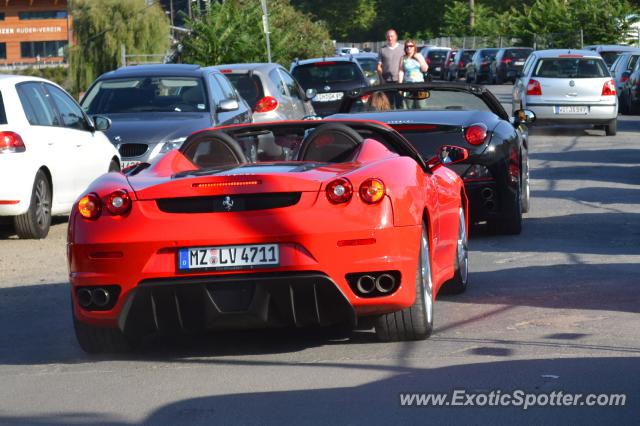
<point x="133" y="149"/>
<point x="230" y="203"/>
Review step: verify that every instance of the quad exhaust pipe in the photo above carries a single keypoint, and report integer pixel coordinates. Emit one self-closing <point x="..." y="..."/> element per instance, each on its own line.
<point x="91" y="298"/>
<point x="385" y="283"/>
<point x="366" y="284"/>
<point x="487" y="194"/>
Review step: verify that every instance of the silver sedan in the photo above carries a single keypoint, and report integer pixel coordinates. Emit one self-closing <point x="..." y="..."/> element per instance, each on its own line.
<point x="568" y="86"/>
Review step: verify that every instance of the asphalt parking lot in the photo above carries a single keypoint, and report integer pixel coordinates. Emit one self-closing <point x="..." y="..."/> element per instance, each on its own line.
<point x="553" y="309"/>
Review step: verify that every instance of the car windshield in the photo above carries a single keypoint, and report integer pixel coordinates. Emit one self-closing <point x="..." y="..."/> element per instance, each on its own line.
<point x="249" y="86"/>
<point x="419" y="99"/>
<point x="609" y="56"/>
<point x="467" y="55"/>
<point x="516" y="54"/>
<point x="326" y="72"/>
<point x="368" y="65"/>
<point x="437" y="55"/>
<point x="570" y="68"/>
<point x="488" y="54"/>
<point x="146" y="94"/>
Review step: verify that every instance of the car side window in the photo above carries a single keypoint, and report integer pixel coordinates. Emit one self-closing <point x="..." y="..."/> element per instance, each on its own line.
<point x="69" y="110"/>
<point x="274" y="76"/>
<point x="227" y="89"/>
<point x="216" y="91"/>
<point x="36" y="105"/>
<point x="292" y="86"/>
<point x="632" y="62"/>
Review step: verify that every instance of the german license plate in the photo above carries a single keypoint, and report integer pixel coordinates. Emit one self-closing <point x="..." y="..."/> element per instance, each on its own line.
<point x="329" y="97"/>
<point x="573" y="110"/>
<point x="129" y="164"/>
<point x="228" y="257"/>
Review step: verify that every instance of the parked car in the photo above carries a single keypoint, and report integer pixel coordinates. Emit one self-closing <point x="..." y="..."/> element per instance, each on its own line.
<point x="154" y="108"/>
<point x="342" y="51"/>
<point x="435" y="57"/>
<point x="610" y="52"/>
<point x="50" y="151"/>
<point x="330" y="78"/>
<point x="621" y="70"/>
<point x="568" y="86"/>
<point x="458" y="69"/>
<point x="508" y="64"/>
<point x="271" y="92"/>
<point x="355" y="228"/>
<point x="496" y="174"/>
<point x="448" y="62"/>
<point x="369" y="63"/>
<point x="479" y="68"/>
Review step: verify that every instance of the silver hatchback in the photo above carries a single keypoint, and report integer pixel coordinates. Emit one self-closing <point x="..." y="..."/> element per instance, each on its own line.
<point x="270" y="91"/>
<point x="568" y="86"/>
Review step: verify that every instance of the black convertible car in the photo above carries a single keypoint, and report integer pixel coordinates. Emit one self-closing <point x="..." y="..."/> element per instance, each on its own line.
<point x="496" y="174"/>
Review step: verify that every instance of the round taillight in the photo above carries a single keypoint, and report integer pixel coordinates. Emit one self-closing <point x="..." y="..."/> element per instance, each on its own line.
<point x="372" y="191"/>
<point x="266" y="104"/>
<point x="476" y="134"/>
<point x="89" y="206"/>
<point x="118" y="202"/>
<point x="339" y="191"/>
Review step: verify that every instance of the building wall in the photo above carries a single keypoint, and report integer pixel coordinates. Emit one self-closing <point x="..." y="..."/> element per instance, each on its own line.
<point x="44" y="37"/>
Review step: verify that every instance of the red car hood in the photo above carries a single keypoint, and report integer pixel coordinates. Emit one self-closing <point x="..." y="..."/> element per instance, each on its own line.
<point x="174" y="176"/>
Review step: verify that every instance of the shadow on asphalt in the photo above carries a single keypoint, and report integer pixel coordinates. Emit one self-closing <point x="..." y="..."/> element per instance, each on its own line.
<point x="378" y="402"/>
<point x="613" y="156"/>
<point x="7" y="230"/>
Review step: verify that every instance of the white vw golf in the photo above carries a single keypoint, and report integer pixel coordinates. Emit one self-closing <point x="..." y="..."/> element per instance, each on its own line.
<point x="50" y="151"/>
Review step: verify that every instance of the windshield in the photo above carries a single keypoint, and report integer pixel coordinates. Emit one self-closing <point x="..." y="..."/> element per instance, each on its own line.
<point x="368" y="65"/>
<point x="609" y="56"/>
<point x="570" y="68"/>
<point x="146" y="94"/>
<point x="326" y="72"/>
<point x="419" y="99"/>
<point x="249" y="86"/>
<point x="467" y="55"/>
<point x="516" y="54"/>
<point x="488" y="54"/>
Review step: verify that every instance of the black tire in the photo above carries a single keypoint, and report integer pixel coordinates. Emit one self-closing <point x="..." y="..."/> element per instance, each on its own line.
<point x="458" y="284"/>
<point x="35" y="223"/>
<point x="498" y="80"/>
<point x="611" y="128"/>
<point x="511" y="223"/>
<point x="525" y="190"/>
<point x="468" y="78"/>
<point x="476" y="79"/>
<point x="623" y="105"/>
<point x="114" y="166"/>
<point x="100" y="340"/>
<point x="416" y="321"/>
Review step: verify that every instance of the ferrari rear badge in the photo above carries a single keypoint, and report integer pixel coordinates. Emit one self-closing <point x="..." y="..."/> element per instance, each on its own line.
<point x="227" y="203"/>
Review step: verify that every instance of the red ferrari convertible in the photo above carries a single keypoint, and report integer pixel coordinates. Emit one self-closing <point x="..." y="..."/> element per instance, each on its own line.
<point x="301" y="223"/>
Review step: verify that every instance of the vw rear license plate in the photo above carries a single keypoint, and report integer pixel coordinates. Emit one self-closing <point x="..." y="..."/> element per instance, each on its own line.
<point x="573" y="110"/>
<point x="328" y="97"/>
<point x="228" y="257"/>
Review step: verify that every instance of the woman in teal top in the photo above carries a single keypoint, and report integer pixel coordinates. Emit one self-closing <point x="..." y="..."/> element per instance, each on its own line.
<point x="412" y="65"/>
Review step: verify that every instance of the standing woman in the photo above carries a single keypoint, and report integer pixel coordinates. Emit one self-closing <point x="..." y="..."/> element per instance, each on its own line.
<point x="412" y="64"/>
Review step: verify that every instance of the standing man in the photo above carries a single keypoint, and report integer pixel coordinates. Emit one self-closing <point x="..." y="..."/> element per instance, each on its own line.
<point x="389" y="59"/>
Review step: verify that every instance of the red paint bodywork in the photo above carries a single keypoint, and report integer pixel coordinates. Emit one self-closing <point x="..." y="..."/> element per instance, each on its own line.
<point x="143" y="244"/>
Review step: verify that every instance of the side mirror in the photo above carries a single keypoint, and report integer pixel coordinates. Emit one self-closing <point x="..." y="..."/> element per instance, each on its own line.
<point x="310" y="93"/>
<point x="228" y="105"/>
<point x="100" y="122"/>
<point x="451" y="154"/>
<point x="523" y="116"/>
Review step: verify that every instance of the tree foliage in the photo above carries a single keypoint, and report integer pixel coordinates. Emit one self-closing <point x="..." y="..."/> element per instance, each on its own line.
<point x="102" y="27"/>
<point x="232" y="31"/>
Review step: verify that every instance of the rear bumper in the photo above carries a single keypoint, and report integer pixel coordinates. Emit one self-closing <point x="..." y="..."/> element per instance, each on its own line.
<point x="261" y="300"/>
<point x="489" y="201"/>
<point x="598" y="114"/>
<point x="17" y="176"/>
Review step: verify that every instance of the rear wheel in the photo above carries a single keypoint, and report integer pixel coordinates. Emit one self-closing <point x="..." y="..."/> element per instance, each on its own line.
<point x="611" y="128"/>
<point x="511" y="223"/>
<point x="458" y="284"/>
<point x="623" y="106"/>
<point x="35" y="223"/>
<point x="98" y="340"/>
<point x="416" y="321"/>
<point x="497" y="79"/>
